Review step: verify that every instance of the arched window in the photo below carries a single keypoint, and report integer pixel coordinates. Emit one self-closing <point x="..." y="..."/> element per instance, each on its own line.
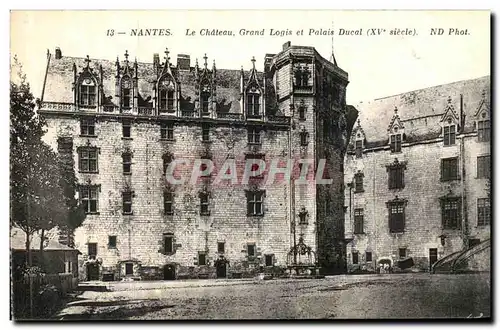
<point x="87" y="92"/>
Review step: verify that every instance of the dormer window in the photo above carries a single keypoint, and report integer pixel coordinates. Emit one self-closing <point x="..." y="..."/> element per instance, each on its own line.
<point x="205" y="97"/>
<point x="449" y="133"/>
<point x="359" y="148"/>
<point x="87" y="95"/>
<point x="126" y="93"/>
<point x="166" y="100"/>
<point x="302" y="77"/>
<point x="166" y="95"/>
<point x="395" y="142"/>
<point x="483" y="131"/>
<point x="253" y="105"/>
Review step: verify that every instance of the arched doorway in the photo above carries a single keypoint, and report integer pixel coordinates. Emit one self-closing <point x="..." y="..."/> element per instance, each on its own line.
<point x="169" y="272"/>
<point x="221" y="267"/>
<point x="92" y="271"/>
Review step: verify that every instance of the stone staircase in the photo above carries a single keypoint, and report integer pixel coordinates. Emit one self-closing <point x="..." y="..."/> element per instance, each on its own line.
<point x="474" y="259"/>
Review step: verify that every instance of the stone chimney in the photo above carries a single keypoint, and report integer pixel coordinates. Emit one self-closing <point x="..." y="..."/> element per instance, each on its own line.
<point x="58" y="53"/>
<point x="183" y="62"/>
<point x="286" y="45"/>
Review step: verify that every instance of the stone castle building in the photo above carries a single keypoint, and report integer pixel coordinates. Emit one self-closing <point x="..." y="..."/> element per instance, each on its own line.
<point x="123" y="122"/>
<point x="417" y="175"/>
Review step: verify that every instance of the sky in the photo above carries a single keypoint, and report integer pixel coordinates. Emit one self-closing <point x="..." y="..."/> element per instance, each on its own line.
<point x="378" y="65"/>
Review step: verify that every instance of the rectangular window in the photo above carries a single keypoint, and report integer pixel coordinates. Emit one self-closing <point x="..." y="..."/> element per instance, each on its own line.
<point x="255" y="201"/>
<point x="221" y="247"/>
<point x="355" y="258"/>
<point x="450" y="212"/>
<point x="112" y="242"/>
<point x="253" y="105"/>
<point x="302" y="112"/>
<point x="202" y="259"/>
<point x="126" y="129"/>
<point x="483" y="167"/>
<point x="449" y="135"/>
<point x="166" y="100"/>
<point x="358" y="221"/>
<point x="253" y="135"/>
<point x="359" y="149"/>
<point x="87" y="160"/>
<point x="396" y="177"/>
<point x="205" y="133"/>
<point x="167" y="131"/>
<point x="396" y="217"/>
<point x="127" y="202"/>
<point x="251" y="251"/>
<point x="483" y="131"/>
<point x="89" y="198"/>
<point x="205" y="97"/>
<point x="92" y="249"/>
<point x="269" y="260"/>
<point x="396" y="143"/>
<point x="168" y="202"/>
<point x="368" y="257"/>
<point x="402" y="253"/>
<point x="168" y="243"/>
<point x="126" y="97"/>
<point x="449" y="169"/>
<point x="483" y="212"/>
<point x="127" y="163"/>
<point x="304" y="138"/>
<point x="204" y="202"/>
<point x="87" y="95"/>
<point x="129" y="268"/>
<point x="358" y="182"/>
<point x="87" y="126"/>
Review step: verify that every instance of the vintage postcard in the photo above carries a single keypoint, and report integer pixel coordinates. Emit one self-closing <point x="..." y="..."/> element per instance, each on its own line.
<point x="250" y="165"/>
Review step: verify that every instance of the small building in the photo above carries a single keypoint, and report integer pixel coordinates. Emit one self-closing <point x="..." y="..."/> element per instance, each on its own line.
<point x="58" y="258"/>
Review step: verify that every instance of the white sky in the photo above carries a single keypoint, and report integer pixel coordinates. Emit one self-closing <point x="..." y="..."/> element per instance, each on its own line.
<point x="378" y="66"/>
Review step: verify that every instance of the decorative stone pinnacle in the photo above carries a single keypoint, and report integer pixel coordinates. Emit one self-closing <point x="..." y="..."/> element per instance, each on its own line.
<point x="449" y="99"/>
<point x="395" y="109"/>
<point x="253" y="61"/>
<point x="87" y="60"/>
<point x="126" y="55"/>
<point x="205" y="58"/>
<point x="167" y="58"/>
<point x="483" y="94"/>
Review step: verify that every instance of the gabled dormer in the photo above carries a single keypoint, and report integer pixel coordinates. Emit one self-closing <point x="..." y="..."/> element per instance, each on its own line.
<point x="253" y="95"/>
<point x="450" y="122"/>
<point x="126" y="84"/>
<point x="358" y="139"/>
<point x="167" y="88"/>
<point x="205" y="84"/>
<point x="87" y="87"/>
<point x="482" y="119"/>
<point x="396" y="132"/>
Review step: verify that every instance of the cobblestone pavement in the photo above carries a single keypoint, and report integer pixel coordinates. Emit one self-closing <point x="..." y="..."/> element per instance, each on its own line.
<point x="344" y="297"/>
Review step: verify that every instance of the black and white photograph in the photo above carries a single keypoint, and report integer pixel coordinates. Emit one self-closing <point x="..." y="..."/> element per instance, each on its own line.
<point x="250" y="165"/>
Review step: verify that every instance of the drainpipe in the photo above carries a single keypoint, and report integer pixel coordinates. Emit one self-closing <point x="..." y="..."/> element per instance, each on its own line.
<point x="465" y="229"/>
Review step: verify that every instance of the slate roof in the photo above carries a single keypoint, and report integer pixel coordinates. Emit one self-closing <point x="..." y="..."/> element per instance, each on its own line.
<point x="421" y="110"/>
<point x="59" y="82"/>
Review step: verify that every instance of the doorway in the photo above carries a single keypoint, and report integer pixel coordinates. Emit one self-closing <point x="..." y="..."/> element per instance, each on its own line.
<point x="92" y="272"/>
<point x="169" y="272"/>
<point x="433" y="257"/>
<point x="221" y="269"/>
<point x="129" y="268"/>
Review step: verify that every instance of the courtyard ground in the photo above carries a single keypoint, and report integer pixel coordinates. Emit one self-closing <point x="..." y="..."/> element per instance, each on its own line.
<point x="337" y="297"/>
